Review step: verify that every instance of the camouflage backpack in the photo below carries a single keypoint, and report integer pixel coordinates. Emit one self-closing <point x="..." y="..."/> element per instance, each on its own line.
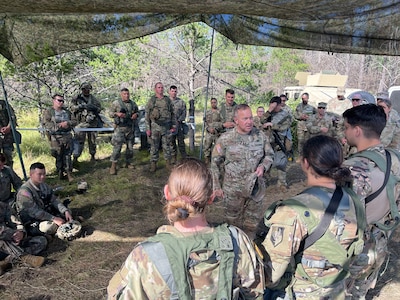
<point x="163" y="251"/>
<point x="333" y="252"/>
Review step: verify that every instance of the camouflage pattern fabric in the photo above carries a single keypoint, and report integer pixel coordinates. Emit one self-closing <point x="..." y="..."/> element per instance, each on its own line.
<point x="239" y="155"/>
<point x="86" y="111"/>
<point x="180" y="114"/>
<point x="7" y="140"/>
<point x="124" y="130"/>
<point x="286" y="233"/>
<point x="213" y="121"/>
<point x="227" y="113"/>
<point x="315" y="123"/>
<point x="139" y="279"/>
<point x="160" y="118"/>
<point x="60" y="138"/>
<point x="339" y="106"/>
<point x="8" y="179"/>
<point x="281" y="122"/>
<point x="302" y="133"/>
<point x="390" y="136"/>
<point x="38" y="206"/>
<point x="368" y="178"/>
<point x="9" y="224"/>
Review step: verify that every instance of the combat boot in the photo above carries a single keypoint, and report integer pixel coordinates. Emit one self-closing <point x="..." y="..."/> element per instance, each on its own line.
<point x="33" y="260"/>
<point x="69" y="177"/>
<point x="129" y="165"/>
<point x="92" y="158"/>
<point x="113" y="169"/>
<point x="153" y="166"/>
<point x="60" y="174"/>
<point x="75" y="161"/>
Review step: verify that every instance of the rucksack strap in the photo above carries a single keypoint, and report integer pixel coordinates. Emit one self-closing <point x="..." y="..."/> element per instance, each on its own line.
<point x="326" y="219"/>
<point x="158" y="256"/>
<point x="387" y="173"/>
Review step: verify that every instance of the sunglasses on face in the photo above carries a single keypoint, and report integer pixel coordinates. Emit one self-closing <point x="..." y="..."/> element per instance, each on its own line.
<point x="60" y="100"/>
<point x="321" y="107"/>
<point x="355" y="99"/>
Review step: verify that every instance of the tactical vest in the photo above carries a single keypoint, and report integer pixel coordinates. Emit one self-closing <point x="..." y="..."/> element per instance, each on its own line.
<point x="4" y="118"/>
<point x="59" y="117"/>
<point x="391" y="182"/>
<point x="333" y="253"/>
<point x="166" y="250"/>
<point x="129" y="107"/>
<point x="160" y="114"/>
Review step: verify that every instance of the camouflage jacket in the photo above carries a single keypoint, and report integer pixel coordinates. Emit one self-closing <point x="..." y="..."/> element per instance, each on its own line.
<point x="302" y="109"/>
<point x="86" y="110"/>
<point x="8" y="179"/>
<point x="130" y="108"/>
<point x="368" y="178"/>
<point x="227" y="112"/>
<point x="213" y="120"/>
<point x="37" y="203"/>
<point x="9" y="224"/>
<point x="240" y="155"/>
<point x="281" y="121"/>
<point x="160" y="115"/>
<point x="179" y="109"/>
<point x="315" y="123"/>
<point x="390" y="136"/>
<point x="140" y="279"/>
<point x="5" y="120"/>
<point x="53" y="118"/>
<point x="288" y="227"/>
<point x="339" y="106"/>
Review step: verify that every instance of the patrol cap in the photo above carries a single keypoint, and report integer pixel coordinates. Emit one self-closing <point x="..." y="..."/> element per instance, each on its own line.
<point x="86" y="86"/>
<point x="382" y="96"/>
<point x="340" y="91"/>
<point x="255" y="187"/>
<point x="322" y="104"/>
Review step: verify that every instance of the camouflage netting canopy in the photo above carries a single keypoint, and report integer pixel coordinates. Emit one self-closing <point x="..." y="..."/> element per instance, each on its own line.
<point x="31" y="30"/>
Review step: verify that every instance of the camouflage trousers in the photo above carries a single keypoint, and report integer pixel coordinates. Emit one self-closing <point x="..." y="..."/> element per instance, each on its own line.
<point x="241" y="211"/>
<point x="156" y="138"/>
<point x="366" y="267"/>
<point x="79" y="142"/>
<point x="180" y="138"/>
<point x="302" y="136"/>
<point x="282" y="178"/>
<point x="121" y="136"/>
<point x="61" y="148"/>
<point x="7" y="148"/>
<point x="209" y="143"/>
<point x="31" y="245"/>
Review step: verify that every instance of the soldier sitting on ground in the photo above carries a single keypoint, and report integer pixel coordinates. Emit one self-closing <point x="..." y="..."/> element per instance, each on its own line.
<point x="8" y="179"/>
<point x="15" y="245"/>
<point x="38" y="207"/>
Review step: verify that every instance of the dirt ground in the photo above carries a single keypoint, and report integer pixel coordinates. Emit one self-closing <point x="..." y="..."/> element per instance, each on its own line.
<point x="118" y="212"/>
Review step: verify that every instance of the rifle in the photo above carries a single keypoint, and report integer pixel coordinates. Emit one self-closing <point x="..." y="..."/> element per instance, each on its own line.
<point x="279" y="142"/>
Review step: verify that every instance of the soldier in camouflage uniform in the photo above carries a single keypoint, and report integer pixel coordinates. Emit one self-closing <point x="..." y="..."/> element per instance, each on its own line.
<point x="240" y="153"/>
<point x="213" y="126"/>
<point x="257" y="118"/>
<point x="160" y="125"/>
<point x="363" y="126"/>
<point x="85" y="109"/>
<point x="125" y="113"/>
<point x="6" y="137"/>
<point x="59" y="123"/>
<point x="8" y="179"/>
<point x="302" y="113"/>
<point x="390" y="136"/>
<point x="294" y="267"/>
<point x="320" y="123"/>
<point x="180" y="114"/>
<point x="289" y="136"/>
<point x="227" y="110"/>
<point x="196" y="259"/>
<point x="278" y="121"/>
<point x="14" y="244"/>
<point x="38" y="207"/>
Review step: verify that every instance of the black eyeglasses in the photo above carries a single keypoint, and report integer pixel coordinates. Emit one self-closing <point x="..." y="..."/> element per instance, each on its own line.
<point x="355" y="99"/>
<point x="321" y="107"/>
<point x="60" y="100"/>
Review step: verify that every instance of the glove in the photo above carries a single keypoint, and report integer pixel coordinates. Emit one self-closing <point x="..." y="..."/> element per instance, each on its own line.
<point x="91" y="107"/>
